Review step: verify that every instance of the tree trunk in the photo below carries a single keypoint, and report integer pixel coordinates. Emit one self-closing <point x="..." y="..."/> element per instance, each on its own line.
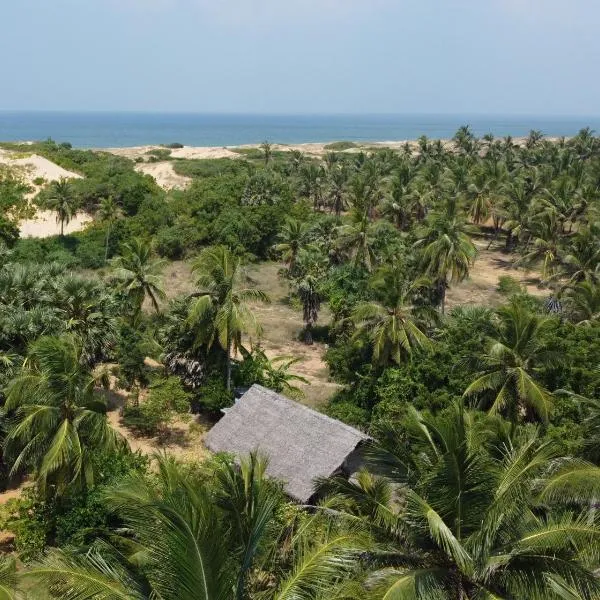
<point x="228" y="364"/>
<point x="62" y="228"/>
<point x="442" y="286"/>
<point x="106" y="249"/>
<point x="308" y="338"/>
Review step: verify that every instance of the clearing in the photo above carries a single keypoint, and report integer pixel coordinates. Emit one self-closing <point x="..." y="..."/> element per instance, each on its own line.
<point x="482" y="285"/>
<point x="281" y="323"/>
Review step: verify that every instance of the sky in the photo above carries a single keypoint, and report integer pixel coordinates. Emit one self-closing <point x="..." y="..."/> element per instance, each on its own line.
<point x="521" y="57"/>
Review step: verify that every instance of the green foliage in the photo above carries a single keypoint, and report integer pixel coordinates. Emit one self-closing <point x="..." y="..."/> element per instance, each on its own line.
<point x="508" y="286"/>
<point x="75" y="519"/>
<point x="339" y="146"/>
<point x="213" y="394"/>
<point x="158" y="154"/>
<point x="166" y="399"/>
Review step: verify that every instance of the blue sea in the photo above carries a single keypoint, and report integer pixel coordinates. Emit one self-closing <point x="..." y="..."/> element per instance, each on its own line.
<point x="112" y="129"/>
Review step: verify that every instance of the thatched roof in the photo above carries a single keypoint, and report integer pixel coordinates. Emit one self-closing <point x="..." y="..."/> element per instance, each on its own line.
<point x="301" y="444"/>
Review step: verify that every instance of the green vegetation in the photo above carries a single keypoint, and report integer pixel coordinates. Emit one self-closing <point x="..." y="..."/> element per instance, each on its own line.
<point x="339" y="146"/>
<point x="483" y="403"/>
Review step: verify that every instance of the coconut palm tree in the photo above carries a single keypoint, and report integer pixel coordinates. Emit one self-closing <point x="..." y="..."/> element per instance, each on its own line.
<point x="509" y="365"/>
<point x="460" y="512"/>
<point x="59" y="422"/>
<point x="216" y="540"/>
<point x="220" y="311"/>
<point x="109" y="212"/>
<point x="583" y="302"/>
<point x="291" y="239"/>
<point x="447" y="253"/>
<point x="63" y="201"/>
<point x="392" y="324"/>
<point x="355" y="239"/>
<point x="138" y="274"/>
<point x="308" y="282"/>
<point x="338" y="177"/>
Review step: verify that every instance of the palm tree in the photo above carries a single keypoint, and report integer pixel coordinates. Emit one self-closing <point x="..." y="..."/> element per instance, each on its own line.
<point x="109" y="213"/>
<point x="267" y="149"/>
<point x="356" y="240"/>
<point x="447" y="253"/>
<point x="139" y="274"/>
<point x="63" y="201"/>
<point x="215" y="541"/>
<point x="338" y="176"/>
<point x="291" y="238"/>
<point x="221" y="310"/>
<point x="59" y="422"/>
<point x="392" y="324"/>
<point x="462" y="513"/>
<point x="510" y="363"/>
<point x="582" y="259"/>
<point x="308" y="282"/>
<point x="583" y="302"/>
<point x="89" y="312"/>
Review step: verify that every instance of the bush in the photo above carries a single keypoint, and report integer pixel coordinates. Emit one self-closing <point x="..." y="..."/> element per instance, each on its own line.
<point x="340" y="146"/>
<point x="165" y="400"/>
<point x="213" y="395"/>
<point x="349" y="413"/>
<point x="158" y="154"/>
<point x="174" y="145"/>
<point x="508" y="286"/>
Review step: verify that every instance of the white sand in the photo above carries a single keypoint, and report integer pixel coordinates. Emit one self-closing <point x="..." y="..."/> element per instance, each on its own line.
<point x="164" y="175"/>
<point x="44" y="225"/>
<point x="32" y="167"/>
<point x="35" y="166"/>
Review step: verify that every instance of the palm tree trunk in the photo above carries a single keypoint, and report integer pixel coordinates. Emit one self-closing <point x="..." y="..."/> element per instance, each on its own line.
<point x="62" y="228"/>
<point x="308" y="338"/>
<point x="107" y="239"/>
<point x="228" y="364"/>
<point x="442" y="286"/>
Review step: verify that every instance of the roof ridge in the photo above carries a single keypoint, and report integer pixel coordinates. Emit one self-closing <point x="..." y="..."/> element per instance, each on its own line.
<point x="301" y="406"/>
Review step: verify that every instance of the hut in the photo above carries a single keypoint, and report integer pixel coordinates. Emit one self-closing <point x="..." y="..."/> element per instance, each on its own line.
<point x="300" y="443"/>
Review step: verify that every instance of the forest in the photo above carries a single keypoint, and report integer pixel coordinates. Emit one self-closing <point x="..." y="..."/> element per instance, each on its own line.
<point x="482" y="478"/>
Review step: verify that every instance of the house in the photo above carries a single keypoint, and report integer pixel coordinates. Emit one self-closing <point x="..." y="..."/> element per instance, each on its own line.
<point x="300" y="443"/>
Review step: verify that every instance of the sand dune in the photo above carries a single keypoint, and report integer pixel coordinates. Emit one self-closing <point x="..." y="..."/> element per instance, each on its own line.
<point x="36" y="166"/>
<point x="164" y="175"/>
<point x="31" y="168"/>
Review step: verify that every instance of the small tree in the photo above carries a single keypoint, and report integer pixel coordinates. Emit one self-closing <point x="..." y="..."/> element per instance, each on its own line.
<point x="311" y="267"/>
<point x="63" y="201"/>
<point x="109" y="212"/>
<point x="267" y="151"/>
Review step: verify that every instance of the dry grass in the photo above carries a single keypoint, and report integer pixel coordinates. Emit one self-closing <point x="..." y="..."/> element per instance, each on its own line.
<point x="482" y="286"/>
<point x="281" y="324"/>
<point x="182" y="438"/>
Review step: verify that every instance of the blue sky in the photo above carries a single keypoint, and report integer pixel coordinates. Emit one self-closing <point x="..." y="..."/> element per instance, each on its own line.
<point x="529" y="57"/>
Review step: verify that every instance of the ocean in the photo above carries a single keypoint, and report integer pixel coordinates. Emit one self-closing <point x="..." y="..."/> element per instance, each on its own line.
<point x="120" y="129"/>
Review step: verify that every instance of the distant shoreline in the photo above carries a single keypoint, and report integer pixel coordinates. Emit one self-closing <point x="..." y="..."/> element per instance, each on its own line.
<point x="109" y="130"/>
